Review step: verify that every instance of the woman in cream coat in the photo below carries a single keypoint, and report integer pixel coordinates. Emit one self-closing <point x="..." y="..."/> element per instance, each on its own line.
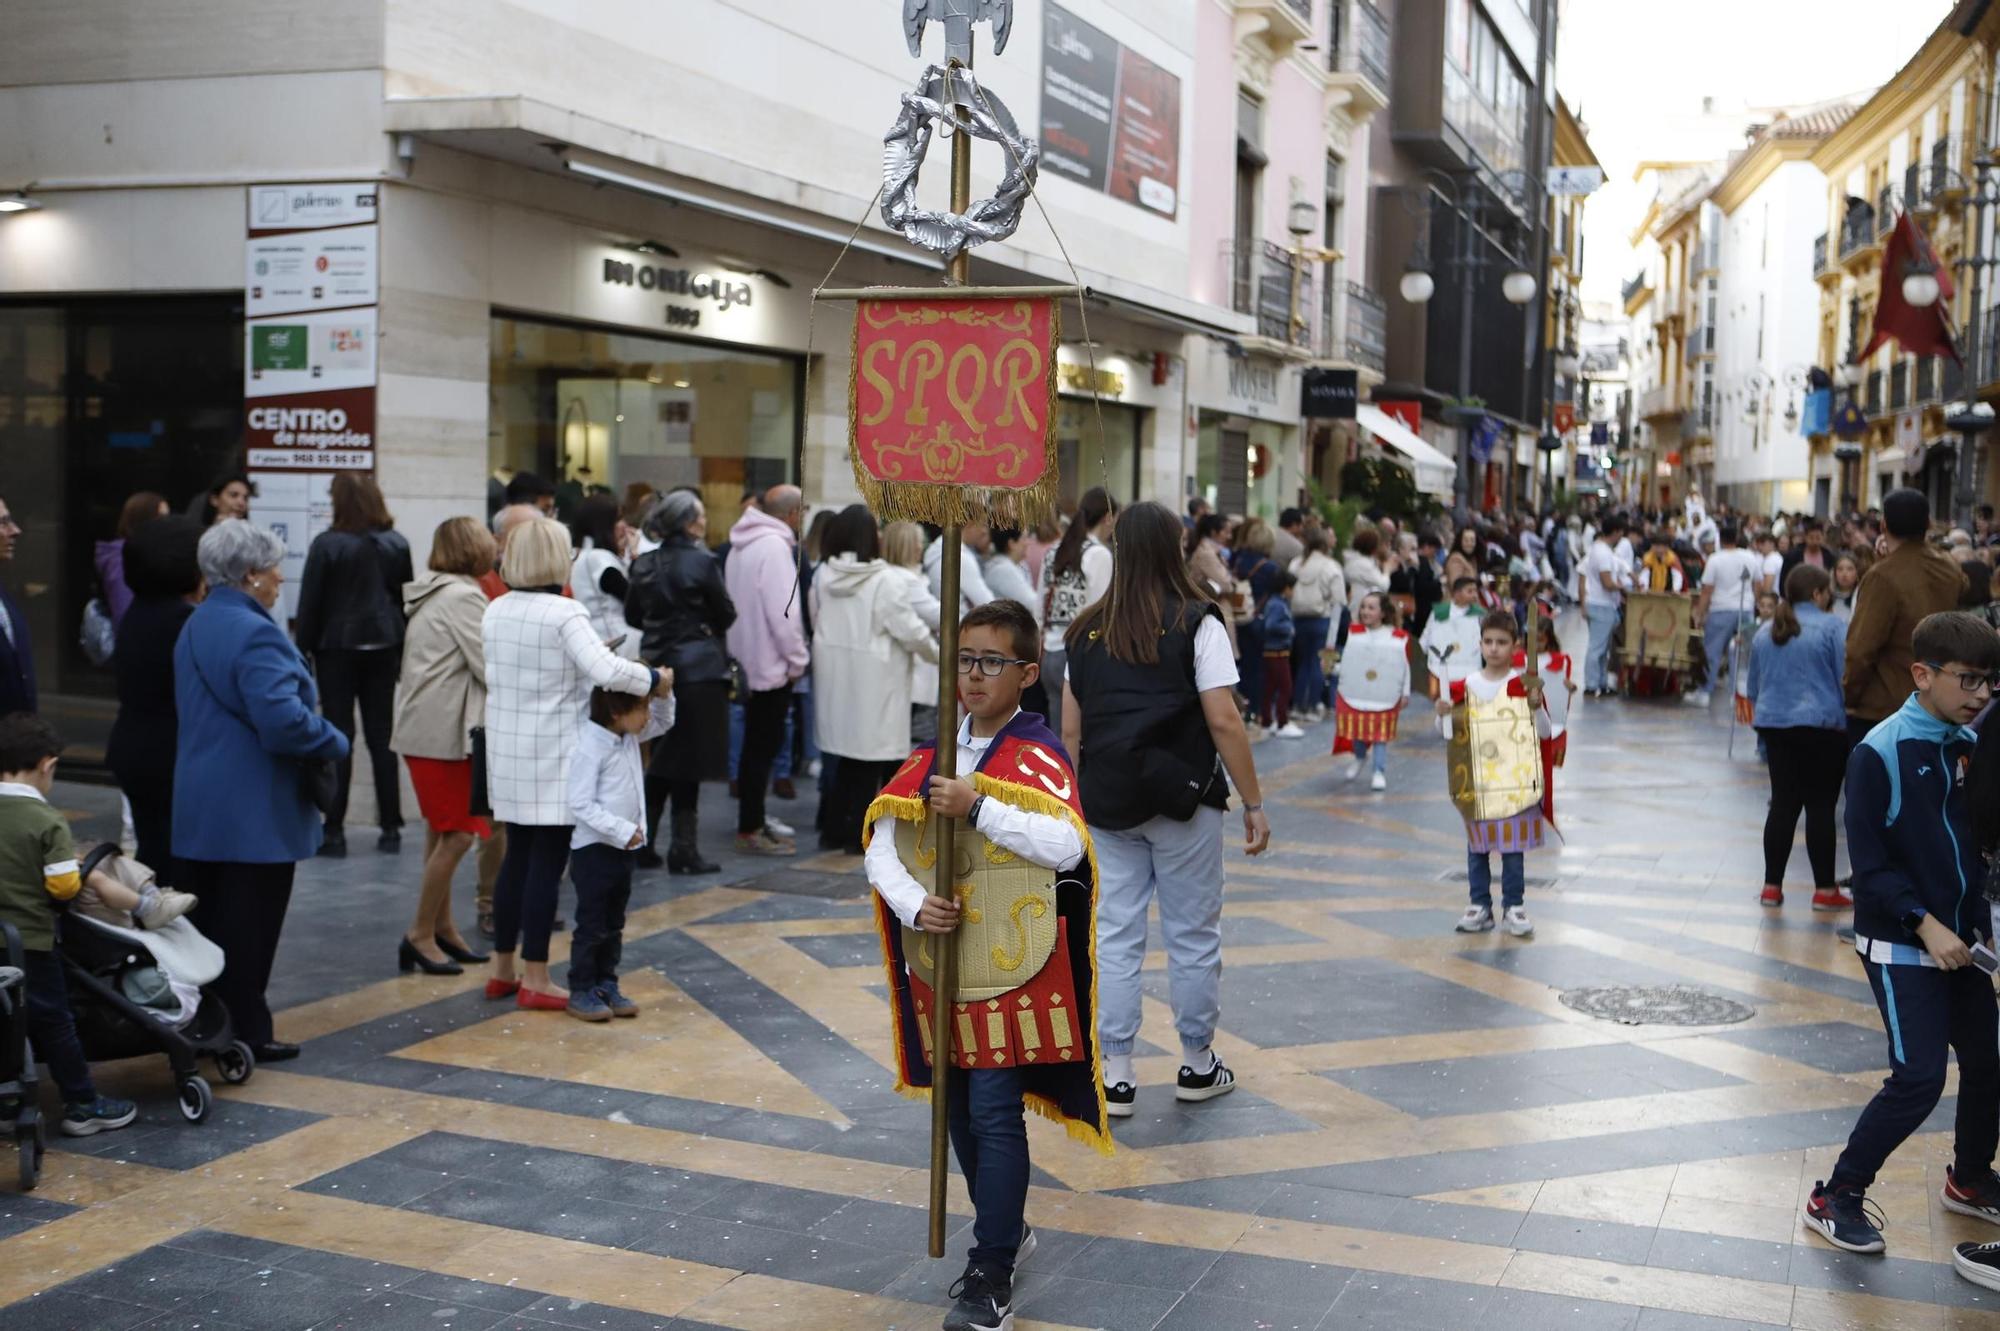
<point x="866" y="634"/>
<point x="439" y="699"/>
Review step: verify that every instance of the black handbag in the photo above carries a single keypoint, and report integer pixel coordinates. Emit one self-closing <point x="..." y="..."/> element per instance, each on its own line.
<point x="481" y="803"/>
<point x="319" y="779"/>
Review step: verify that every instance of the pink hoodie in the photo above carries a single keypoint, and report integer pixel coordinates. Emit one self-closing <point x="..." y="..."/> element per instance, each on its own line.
<point x="762" y="575"/>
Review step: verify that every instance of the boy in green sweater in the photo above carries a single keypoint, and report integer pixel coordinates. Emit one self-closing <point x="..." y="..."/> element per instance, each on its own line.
<point x="38" y="868"/>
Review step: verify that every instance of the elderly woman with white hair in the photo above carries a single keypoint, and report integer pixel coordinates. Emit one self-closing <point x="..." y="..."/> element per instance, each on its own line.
<point x="249" y="724"/>
<point x="542" y="659"/>
<point x="678" y="602"/>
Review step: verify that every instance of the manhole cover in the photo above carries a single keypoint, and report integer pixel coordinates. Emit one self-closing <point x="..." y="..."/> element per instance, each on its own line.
<point x="1658" y="1005"/>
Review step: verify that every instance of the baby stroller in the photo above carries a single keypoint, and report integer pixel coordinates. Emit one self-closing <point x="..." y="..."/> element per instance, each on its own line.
<point x="18" y="1083"/>
<point x="139" y="991"/>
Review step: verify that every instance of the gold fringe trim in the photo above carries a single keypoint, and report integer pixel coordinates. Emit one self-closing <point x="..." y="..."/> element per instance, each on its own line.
<point x="908" y="809"/>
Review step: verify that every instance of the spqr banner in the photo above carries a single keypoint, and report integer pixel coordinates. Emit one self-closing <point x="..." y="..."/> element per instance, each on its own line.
<point x="951" y="406"/>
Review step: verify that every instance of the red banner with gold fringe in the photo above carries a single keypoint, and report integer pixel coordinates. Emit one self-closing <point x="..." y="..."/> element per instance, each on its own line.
<point x="951" y="407"/>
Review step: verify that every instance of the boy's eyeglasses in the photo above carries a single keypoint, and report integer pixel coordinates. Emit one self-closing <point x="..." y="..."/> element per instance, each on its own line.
<point x="989" y="666"/>
<point x="1970" y="680"/>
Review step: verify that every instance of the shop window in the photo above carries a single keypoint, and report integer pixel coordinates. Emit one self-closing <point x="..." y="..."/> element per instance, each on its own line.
<point x="596" y="410"/>
<point x="1096" y="445"/>
<point x="100" y="399"/>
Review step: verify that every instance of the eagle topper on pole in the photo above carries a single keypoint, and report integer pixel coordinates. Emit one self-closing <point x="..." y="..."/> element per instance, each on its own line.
<point x="951" y="400"/>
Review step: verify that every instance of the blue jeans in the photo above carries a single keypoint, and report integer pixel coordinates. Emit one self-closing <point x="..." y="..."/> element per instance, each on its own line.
<point x="1603" y="617"/>
<point x="1308" y="676"/>
<point x="1180" y="866"/>
<point x="1381" y="750"/>
<point x="1513" y="878"/>
<point x="989" y="1134"/>
<point x="1717" y="632"/>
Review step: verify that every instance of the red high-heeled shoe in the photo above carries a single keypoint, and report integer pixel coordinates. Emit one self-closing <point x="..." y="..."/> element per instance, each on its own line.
<point x="502" y="988"/>
<point x="533" y="1000"/>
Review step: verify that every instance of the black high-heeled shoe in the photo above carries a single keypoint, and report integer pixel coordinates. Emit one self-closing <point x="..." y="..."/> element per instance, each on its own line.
<point x="457" y="953"/>
<point x="409" y="959"/>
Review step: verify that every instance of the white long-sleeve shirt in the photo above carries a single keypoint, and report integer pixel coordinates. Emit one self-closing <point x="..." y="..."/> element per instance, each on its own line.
<point x="972" y="589"/>
<point x="1039" y="838"/>
<point x="607" y="788"/>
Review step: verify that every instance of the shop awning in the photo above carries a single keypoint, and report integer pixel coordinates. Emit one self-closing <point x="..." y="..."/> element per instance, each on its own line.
<point x="1434" y="470"/>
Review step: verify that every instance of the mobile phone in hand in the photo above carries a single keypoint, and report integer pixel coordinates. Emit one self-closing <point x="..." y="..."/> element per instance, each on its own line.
<point x="1986" y="958"/>
<point x="613" y="644"/>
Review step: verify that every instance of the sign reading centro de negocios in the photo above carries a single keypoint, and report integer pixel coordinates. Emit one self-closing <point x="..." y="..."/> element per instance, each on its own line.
<point x="1111" y="119"/>
<point x="309" y="385"/>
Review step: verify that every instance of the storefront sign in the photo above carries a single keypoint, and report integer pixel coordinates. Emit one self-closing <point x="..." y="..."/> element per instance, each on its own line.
<point x="951" y="407"/>
<point x="1084" y="381"/>
<point x="310" y="270"/>
<point x="1111" y="119"/>
<point x="692" y="294"/>
<point x="309" y="358"/>
<point x="1326" y="394"/>
<point x="1259" y="387"/>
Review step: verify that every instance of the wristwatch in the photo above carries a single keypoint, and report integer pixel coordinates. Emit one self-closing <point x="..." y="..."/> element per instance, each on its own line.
<point x="1911" y="919"/>
<point x="972" y="814"/>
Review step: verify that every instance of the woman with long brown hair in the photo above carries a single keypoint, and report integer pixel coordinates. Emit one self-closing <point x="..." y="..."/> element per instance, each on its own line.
<point x="1150" y="722"/>
<point x="1796" y="663"/>
<point x="1073" y="578"/>
<point x="350" y="624"/>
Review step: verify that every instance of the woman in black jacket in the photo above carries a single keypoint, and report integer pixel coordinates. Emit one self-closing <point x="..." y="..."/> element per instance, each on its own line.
<point x="679" y="604"/>
<point x="350" y="623"/>
<point x="165" y="582"/>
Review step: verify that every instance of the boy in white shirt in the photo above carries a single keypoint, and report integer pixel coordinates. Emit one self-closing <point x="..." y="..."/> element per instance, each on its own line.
<point x="607" y="798"/>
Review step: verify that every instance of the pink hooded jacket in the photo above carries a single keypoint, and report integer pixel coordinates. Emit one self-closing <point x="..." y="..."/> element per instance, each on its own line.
<point x="762" y="575"/>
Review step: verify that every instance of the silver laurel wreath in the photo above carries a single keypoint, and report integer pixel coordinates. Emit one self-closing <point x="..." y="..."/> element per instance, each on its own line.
<point x="903" y="149"/>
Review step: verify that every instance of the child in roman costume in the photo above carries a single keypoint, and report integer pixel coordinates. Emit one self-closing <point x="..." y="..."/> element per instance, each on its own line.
<point x="1374" y="685"/>
<point x="1023" y="918"/>
<point x="1451" y="637"/>
<point x="1500" y="781"/>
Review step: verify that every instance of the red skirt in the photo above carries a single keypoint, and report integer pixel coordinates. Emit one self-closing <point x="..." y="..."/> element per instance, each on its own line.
<point x="444" y="794"/>
<point x="1351" y="724"/>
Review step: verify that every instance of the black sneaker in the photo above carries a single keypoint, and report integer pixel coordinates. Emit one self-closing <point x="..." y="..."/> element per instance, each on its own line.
<point x="1978" y="1262"/>
<point x="1118" y="1099"/>
<point x="100" y="1115"/>
<point x="985" y="1302"/>
<point x="1843" y="1217"/>
<point x="1218" y="1080"/>
<point x="1976" y="1197"/>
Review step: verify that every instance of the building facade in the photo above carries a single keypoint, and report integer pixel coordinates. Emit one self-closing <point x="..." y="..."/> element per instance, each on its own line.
<point x="590" y="251"/>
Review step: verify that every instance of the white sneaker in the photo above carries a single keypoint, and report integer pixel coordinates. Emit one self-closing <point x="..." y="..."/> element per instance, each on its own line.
<point x="1290" y="731"/>
<point x="777" y="828"/>
<point x="1699" y="698"/>
<point x="1476" y="920"/>
<point x="1378" y="782"/>
<point x="1517" y="922"/>
<point x="1352" y="770"/>
<point x="1258" y="734"/>
<point x="164" y="906"/>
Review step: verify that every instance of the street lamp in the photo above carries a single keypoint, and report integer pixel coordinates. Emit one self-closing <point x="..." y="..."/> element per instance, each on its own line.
<point x="1568" y="364"/>
<point x="1468" y="199"/>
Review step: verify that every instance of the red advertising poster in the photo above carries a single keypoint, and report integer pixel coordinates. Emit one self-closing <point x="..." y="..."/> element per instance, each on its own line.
<point x="332" y="431"/>
<point x="950" y="407"/>
<point x="1146" y="144"/>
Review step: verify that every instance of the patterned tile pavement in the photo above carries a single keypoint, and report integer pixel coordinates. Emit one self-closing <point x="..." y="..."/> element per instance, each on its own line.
<point x="1425" y="1135"/>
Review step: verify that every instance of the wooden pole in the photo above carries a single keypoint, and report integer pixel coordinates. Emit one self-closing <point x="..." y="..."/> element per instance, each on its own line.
<point x="944" y="975"/>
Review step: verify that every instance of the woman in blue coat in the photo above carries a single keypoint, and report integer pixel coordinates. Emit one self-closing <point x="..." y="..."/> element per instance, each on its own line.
<point x="248" y="718"/>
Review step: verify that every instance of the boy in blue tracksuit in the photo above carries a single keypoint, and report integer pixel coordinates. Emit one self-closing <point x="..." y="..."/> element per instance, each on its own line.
<point x="1918" y="909"/>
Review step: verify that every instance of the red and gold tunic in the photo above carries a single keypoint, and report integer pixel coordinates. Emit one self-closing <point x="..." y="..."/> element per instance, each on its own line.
<point x="1026" y="942"/>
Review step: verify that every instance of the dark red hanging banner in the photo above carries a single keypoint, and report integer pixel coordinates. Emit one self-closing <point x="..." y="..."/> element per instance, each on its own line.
<point x="1921" y="330"/>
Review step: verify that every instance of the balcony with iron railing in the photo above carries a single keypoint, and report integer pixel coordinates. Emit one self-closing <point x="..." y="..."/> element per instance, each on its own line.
<point x="1700" y="342"/>
<point x="1663" y="402"/>
<point x="1367" y="319"/>
<point x="1947" y="186"/>
<point x="1360" y="48"/>
<point x="1885" y="211"/>
<point x="1262" y="281"/>
<point x="1899" y="385"/>
<point x="1857" y="233"/>
<point x="1819" y="256"/>
<point x="1290" y="21"/>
